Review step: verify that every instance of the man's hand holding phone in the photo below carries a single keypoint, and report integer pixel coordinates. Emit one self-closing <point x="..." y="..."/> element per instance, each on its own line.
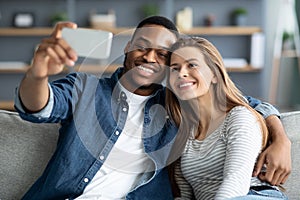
<point x="89" y="43"/>
<point x="65" y="45"/>
<point x="53" y="53"/>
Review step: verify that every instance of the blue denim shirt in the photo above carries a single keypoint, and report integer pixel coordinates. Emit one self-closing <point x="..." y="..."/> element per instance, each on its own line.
<point x="92" y="113"/>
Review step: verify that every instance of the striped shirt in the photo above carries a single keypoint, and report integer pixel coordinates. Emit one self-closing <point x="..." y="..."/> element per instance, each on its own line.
<point x="221" y="165"/>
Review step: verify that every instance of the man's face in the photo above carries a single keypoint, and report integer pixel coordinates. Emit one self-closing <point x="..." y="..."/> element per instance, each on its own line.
<point x="146" y="57"/>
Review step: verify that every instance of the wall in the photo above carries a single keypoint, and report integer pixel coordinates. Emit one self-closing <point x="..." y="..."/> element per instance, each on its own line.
<point x="288" y="93"/>
<point x="128" y="14"/>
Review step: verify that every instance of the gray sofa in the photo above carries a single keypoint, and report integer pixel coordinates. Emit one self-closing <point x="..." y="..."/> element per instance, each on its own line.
<point x="25" y="149"/>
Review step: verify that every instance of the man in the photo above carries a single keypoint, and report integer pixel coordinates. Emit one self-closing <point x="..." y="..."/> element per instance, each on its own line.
<point x="115" y="135"/>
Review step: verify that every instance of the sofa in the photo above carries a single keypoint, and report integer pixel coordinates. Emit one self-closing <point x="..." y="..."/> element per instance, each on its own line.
<point x="25" y="149"/>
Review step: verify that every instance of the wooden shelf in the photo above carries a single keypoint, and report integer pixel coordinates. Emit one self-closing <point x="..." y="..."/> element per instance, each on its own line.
<point x="290" y="53"/>
<point x="7" y="105"/>
<point x="38" y="31"/>
<point x="217" y="30"/>
<point x="109" y="69"/>
<point x="223" y="30"/>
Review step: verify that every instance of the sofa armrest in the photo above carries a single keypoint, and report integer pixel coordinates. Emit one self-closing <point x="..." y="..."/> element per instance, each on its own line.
<point x="25" y="149"/>
<point x="291" y="123"/>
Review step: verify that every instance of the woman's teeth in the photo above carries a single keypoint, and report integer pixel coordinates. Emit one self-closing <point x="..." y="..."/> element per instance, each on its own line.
<point x="185" y="85"/>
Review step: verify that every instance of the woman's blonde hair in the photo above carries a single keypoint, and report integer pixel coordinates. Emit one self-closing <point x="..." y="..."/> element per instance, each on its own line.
<point x="226" y="94"/>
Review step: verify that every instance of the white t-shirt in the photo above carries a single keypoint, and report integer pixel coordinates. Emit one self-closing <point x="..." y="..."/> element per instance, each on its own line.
<point x="127" y="160"/>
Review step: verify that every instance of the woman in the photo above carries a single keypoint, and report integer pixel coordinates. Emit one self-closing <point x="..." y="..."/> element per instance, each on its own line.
<point x="220" y="133"/>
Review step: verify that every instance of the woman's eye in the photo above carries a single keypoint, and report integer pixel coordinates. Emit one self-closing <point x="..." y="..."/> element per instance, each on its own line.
<point x="193" y="65"/>
<point x="174" y="69"/>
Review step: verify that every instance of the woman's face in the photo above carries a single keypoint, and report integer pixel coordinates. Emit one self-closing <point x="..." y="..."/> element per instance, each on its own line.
<point x="190" y="77"/>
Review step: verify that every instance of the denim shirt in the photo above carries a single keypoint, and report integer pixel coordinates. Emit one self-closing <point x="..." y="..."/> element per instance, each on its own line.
<point x="92" y="113"/>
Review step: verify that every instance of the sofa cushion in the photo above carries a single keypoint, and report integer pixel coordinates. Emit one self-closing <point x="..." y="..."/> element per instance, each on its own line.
<point x="25" y="149"/>
<point x="291" y="123"/>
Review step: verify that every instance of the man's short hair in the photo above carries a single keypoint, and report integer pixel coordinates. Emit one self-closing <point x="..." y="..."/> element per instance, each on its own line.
<point x="161" y="21"/>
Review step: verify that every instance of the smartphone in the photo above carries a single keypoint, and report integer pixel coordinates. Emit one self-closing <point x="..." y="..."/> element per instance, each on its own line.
<point x="89" y="43"/>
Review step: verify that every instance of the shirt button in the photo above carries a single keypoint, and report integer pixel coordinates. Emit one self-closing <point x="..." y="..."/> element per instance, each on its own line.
<point x="117" y="132"/>
<point x="86" y="180"/>
<point x="124" y="109"/>
<point x="101" y="157"/>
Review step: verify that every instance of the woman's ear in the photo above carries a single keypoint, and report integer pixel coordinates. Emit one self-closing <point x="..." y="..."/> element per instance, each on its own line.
<point x="127" y="47"/>
<point x="214" y="79"/>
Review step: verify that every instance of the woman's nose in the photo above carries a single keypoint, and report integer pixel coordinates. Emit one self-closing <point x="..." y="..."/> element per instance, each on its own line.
<point x="183" y="72"/>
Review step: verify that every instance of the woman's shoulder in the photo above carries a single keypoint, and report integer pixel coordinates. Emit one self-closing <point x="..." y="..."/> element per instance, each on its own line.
<point x="240" y="115"/>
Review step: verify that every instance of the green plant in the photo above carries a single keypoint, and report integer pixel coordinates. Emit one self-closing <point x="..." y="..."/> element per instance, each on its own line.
<point x="56" y="17"/>
<point x="240" y="11"/>
<point x="286" y="36"/>
<point x="150" y="9"/>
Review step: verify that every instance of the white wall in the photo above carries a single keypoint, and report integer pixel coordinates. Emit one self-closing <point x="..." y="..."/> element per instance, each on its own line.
<point x="288" y="68"/>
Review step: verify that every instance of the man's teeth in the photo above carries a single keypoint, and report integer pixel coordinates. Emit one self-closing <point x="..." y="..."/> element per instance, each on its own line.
<point x="185" y="85"/>
<point x="145" y="69"/>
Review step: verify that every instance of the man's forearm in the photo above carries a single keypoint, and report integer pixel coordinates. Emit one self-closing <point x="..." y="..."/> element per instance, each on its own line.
<point x="276" y="129"/>
<point x="34" y="93"/>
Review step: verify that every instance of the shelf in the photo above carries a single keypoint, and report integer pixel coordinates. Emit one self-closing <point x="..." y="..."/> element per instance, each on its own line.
<point x="7" y="105"/>
<point x="109" y="69"/>
<point x="38" y="31"/>
<point x="290" y="53"/>
<point x="221" y="30"/>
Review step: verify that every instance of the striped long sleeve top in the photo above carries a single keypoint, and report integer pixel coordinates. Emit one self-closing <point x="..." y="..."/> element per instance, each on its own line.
<point x="221" y="165"/>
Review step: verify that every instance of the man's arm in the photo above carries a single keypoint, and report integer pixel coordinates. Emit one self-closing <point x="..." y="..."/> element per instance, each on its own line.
<point x="277" y="156"/>
<point x="49" y="59"/>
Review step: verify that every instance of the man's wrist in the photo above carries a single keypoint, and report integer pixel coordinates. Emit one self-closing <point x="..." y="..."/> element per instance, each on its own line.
<point x="276" y="129"/>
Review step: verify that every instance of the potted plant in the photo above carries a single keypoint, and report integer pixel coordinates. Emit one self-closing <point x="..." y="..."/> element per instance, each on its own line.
<point x="57" y="17"/>
<point x="287" y="40"/>
<point x="150" y="9"/>
<point x="239" y="16"/>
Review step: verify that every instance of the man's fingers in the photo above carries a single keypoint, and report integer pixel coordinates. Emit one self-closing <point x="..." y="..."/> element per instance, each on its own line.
<point x="59" y="50"/>
<point x="284" y="178"/>
<point x="69" y="51"/>
<point x="54" y="55"/>
<point x="259" y="164"/>
<point x="267" y="176"/>
<point x="274" y="177"/>
<point x="59" y="26"/>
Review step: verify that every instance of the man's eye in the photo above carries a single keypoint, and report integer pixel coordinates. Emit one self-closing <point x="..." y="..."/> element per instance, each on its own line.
<point x="140" y="47"/>
<point x="162" y="54"/>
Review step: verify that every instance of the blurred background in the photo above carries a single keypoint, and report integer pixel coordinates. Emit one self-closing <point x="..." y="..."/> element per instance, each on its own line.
<point x="256" y="38"/>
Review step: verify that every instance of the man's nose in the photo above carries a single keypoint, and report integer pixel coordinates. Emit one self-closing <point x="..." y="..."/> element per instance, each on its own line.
<point x="150" y="55"/>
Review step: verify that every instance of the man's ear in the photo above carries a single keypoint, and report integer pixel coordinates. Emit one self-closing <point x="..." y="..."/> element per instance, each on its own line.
<point x="127" y="47"/>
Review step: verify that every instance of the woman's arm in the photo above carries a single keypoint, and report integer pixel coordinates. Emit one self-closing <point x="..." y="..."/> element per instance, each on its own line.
<point x="185" y="189"/>
<point x="243" y="143"/>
